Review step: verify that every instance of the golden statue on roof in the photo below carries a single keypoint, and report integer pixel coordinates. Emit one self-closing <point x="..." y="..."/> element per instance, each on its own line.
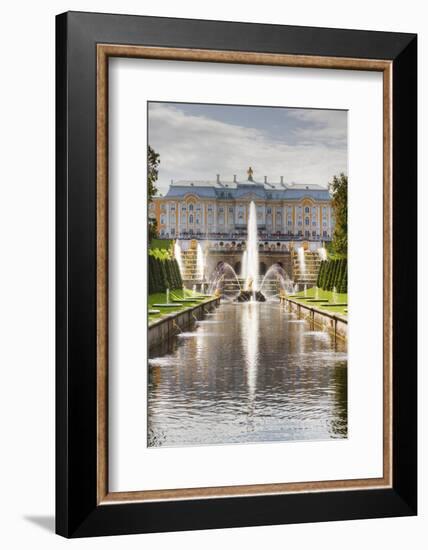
<point x="250" y="173"/>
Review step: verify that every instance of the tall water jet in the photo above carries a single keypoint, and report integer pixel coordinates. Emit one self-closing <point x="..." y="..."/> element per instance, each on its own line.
<point x="252" y="280"/>
<point x="199" y="262"/>
<point x="243" y="274"/>
<point x="178" y="256"/>
<point x="302" y="263"/>
<point x="322" y="253"/>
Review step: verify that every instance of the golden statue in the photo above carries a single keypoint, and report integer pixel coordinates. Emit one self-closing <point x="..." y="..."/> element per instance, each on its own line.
<point x="250" y="173"/>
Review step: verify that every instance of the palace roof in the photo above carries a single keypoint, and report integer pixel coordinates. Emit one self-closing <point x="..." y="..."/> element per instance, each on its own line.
<point x="233" y="190"/>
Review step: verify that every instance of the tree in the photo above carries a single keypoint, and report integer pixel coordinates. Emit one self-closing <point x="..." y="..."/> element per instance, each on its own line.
<point x="153" y="161"/>
<point x="339" y="190"/>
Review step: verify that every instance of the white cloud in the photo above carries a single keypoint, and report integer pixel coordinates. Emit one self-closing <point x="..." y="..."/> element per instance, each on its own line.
<point x="197" y="147"/>
<point x="326" y="126"/>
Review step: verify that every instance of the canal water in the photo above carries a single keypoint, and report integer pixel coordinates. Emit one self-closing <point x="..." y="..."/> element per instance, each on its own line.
<point x="249" y="372"/>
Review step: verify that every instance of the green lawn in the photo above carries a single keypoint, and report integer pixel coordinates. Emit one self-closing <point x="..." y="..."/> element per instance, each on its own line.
<point x="333" y="304"/>
<point x="160" y="298"/>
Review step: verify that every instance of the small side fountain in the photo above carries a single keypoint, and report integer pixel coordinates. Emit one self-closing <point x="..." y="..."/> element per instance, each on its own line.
<point x="225" y="282"/>
<point x="322" y="253"/>
<point x="276" y="283"/>
<point x="302" y="262"/>
<point x="200" y="262"/>
<point x="178" y="256"/>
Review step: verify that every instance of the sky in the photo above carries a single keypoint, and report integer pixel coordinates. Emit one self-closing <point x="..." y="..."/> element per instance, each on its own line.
<point x="198" y="141"/>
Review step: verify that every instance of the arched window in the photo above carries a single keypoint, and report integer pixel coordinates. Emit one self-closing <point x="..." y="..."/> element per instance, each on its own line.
<point x="307" y="210"/>
<point x="191" y="218"/>
<point x="191" y="207"/>
<point x="306" y="221"/>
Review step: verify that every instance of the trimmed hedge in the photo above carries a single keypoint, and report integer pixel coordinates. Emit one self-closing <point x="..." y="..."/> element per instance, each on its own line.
<point x="163" y="271"/>
<point x="333" y="273"/>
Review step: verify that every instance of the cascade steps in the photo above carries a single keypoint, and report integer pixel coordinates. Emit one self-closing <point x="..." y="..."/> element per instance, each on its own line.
<point x="309" y="275"/>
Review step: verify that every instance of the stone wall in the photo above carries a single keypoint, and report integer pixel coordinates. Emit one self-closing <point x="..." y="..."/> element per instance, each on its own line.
<point x="335" y="324"/>
<point x="160" y="332"/>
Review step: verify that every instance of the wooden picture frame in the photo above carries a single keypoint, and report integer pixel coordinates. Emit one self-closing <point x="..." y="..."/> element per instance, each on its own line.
<point x="85" y="42"/>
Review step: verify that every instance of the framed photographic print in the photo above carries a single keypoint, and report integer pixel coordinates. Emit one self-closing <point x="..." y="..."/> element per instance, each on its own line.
<point x="236" y="251"/>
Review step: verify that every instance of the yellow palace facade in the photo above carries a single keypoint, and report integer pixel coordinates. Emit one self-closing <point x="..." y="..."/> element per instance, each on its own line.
<point x="213" y="209"/>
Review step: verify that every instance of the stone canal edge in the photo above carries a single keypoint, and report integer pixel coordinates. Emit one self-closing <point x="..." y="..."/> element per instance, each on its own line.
<point x="334" y="323"/>
<point x="169" y="326"/>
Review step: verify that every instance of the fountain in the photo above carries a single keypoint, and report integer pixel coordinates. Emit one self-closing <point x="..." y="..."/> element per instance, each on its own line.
<point x="322" y="253"/>
<point x="250" y="262"/>
<point x="306" y="264"/>
<point x="252" y="267"/>
<point x="225" y="282"/>
<point x="178" y="256"/>
<point x="276" y="283"/>
<point x="243" y="273"/>
<point x="224" y="276"/>
<point x="302" y="263"/>
<point x="250" y="295"/>
<point x="199" y="262"/>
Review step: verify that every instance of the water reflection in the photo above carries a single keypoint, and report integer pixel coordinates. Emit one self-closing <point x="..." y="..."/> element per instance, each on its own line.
<point x="248" y="373"/>
<point x="250" y="343"/>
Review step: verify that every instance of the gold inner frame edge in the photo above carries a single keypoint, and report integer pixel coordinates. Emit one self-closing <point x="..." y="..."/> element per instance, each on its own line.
<point x="104" y="52"/>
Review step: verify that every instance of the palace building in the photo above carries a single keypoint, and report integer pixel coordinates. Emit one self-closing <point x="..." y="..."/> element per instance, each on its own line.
<point x="219" y="209"/>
